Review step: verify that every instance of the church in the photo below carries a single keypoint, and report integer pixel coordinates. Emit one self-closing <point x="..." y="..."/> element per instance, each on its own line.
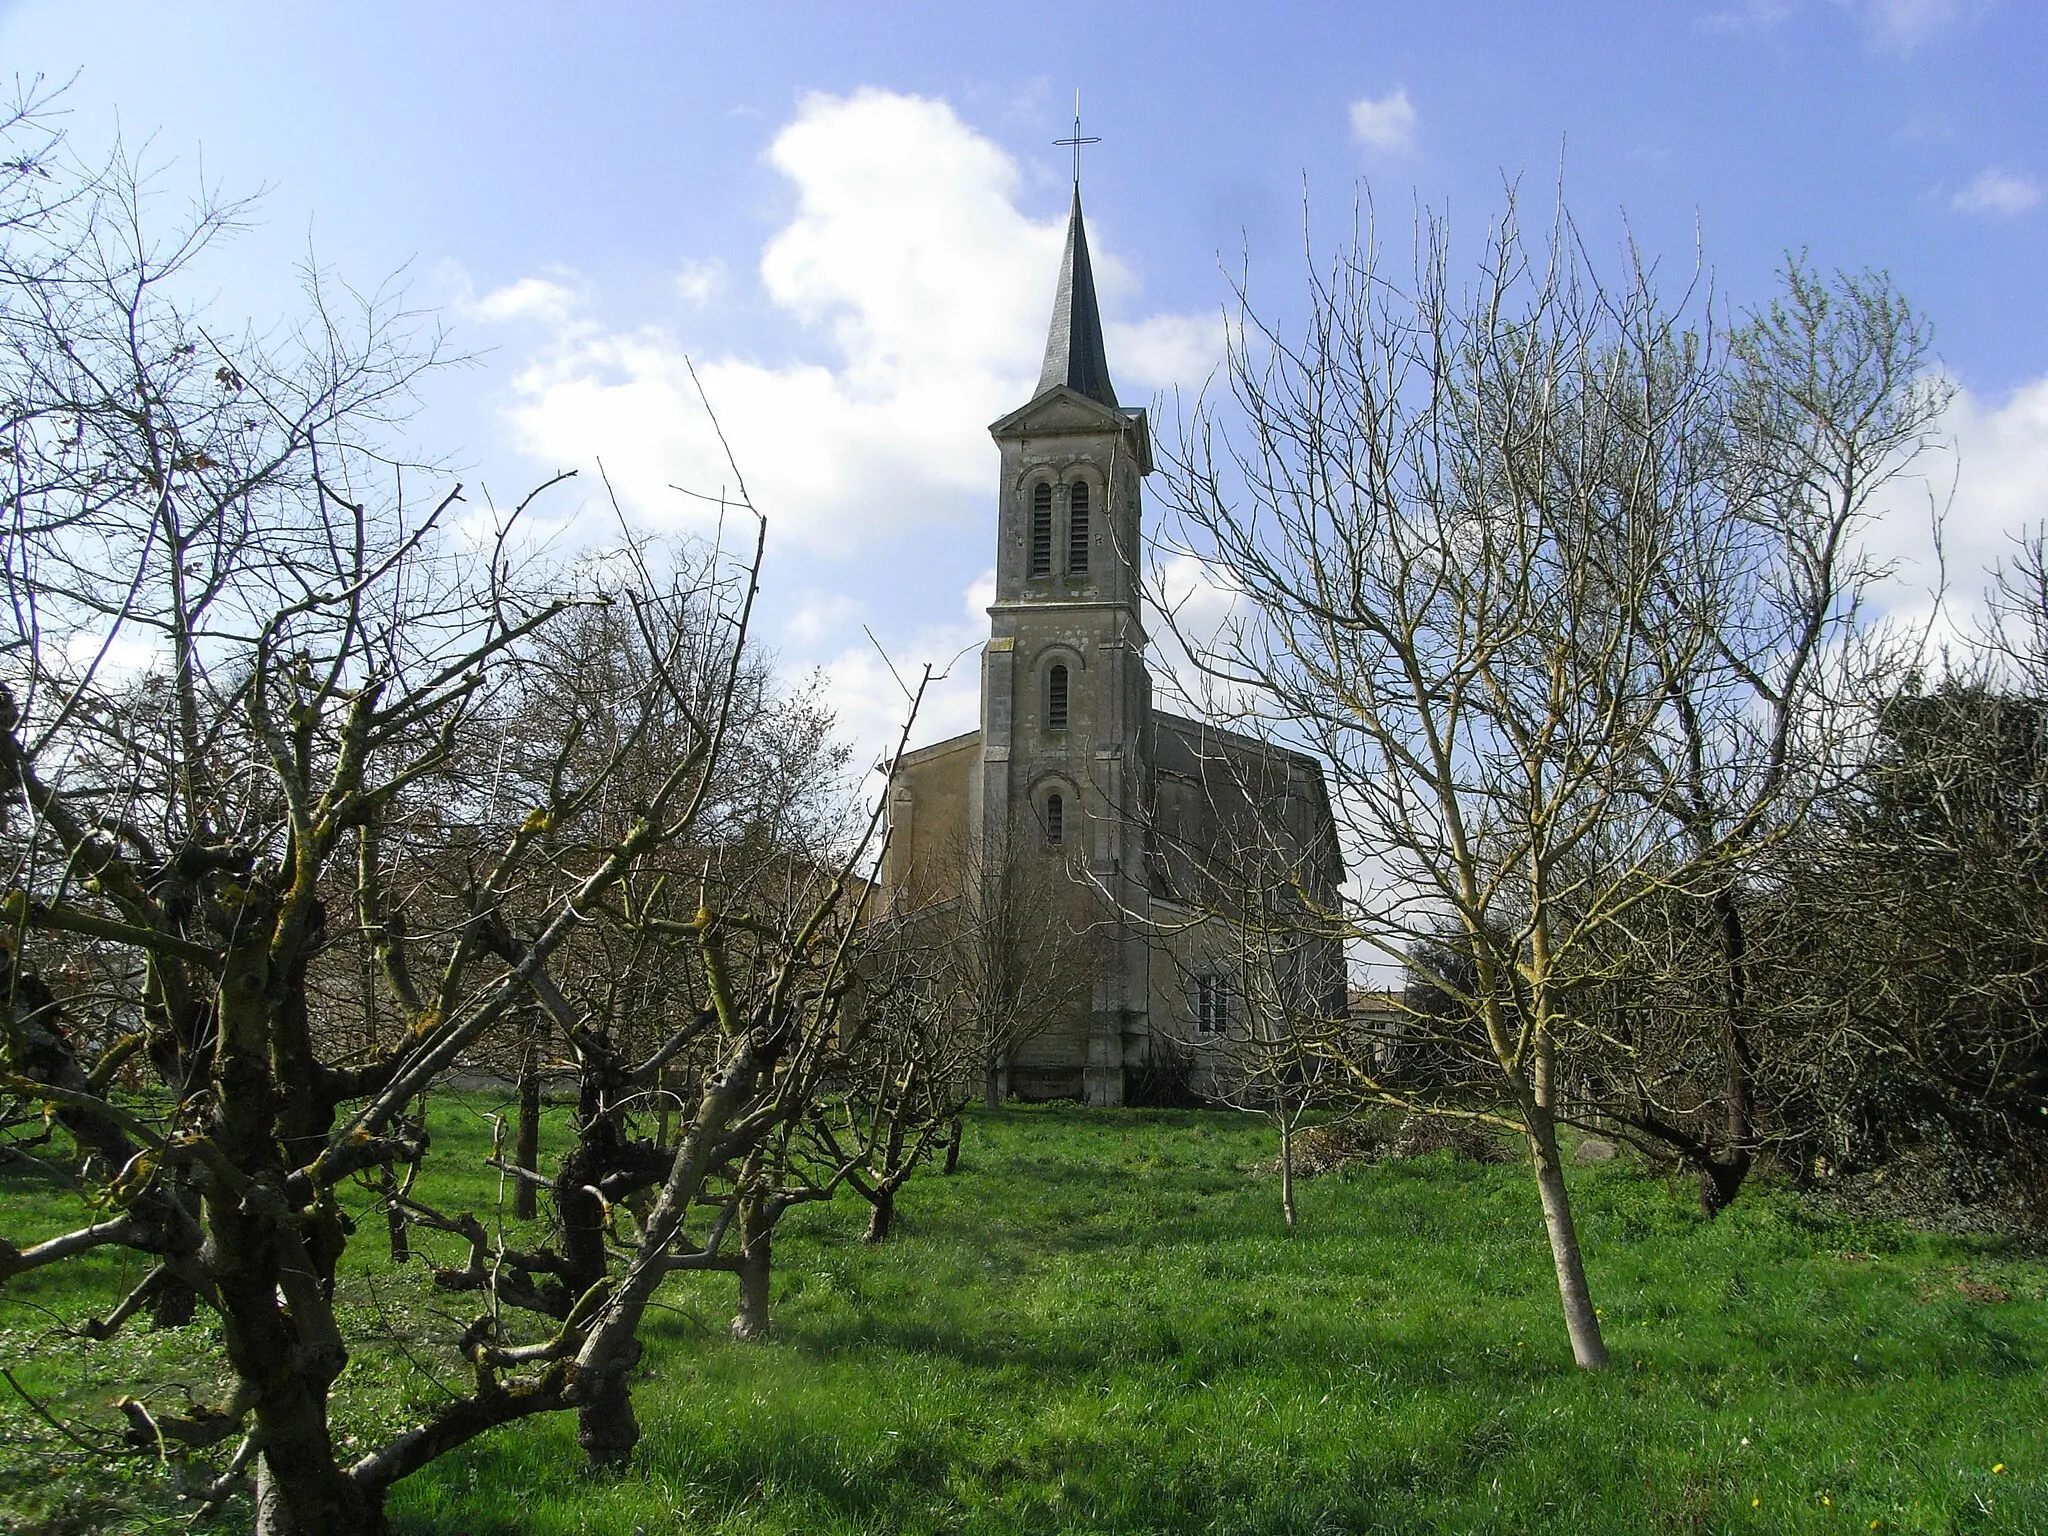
<point x="1144" y="876"/>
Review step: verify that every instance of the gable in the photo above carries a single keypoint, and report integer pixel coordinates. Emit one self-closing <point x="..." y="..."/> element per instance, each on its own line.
<point x="1227" y="804"/>
<point x="1064" y="412"/>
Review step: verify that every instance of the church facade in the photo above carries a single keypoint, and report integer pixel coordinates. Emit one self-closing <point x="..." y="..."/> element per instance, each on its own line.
<point x="1146" y="868"/>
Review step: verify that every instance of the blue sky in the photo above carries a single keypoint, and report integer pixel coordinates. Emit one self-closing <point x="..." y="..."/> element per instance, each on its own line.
<point x="848" y="217"/>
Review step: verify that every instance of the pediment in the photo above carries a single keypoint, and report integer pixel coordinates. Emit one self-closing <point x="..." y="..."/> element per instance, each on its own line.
<point x="1061" y="411"/>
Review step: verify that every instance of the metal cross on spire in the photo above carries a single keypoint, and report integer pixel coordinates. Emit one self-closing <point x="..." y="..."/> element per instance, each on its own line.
<point x="1077" y="140"/>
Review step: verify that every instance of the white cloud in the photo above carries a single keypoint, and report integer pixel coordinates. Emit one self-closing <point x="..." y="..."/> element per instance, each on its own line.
<point x="818" y="615"/>
<point x="980" y="596"/>
<point x="1166" y="350"/>
<point x="1193" y="597"/>
<point x="125" y="655"/>
<point x="928" y="289"/>
<point x="870" y="693"/>
<point x="1995" y="191"/>
<point x="1384" y="122"/>
<point x="1748" y="16"/>
<point x="1927" y="127"/>
<point x="1903" y="25"/>
<point x="1987" y="485"/>
<point x="907" y="241"/>
<point x="1898" y="26"/>
<point x="530" y="298"/>
<point x="1193" y="603"/>
<point x="2001" y="477"/>
<point x="697" y="281"/>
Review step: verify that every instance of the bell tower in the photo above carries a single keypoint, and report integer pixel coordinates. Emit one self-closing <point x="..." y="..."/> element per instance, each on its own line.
<point x="1065" y="696"/>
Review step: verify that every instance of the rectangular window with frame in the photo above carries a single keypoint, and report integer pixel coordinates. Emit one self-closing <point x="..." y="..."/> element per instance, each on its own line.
<point x="1211" y="1010"/>
<point x="1077" y="531"/>
<point x="1041" y="529"/>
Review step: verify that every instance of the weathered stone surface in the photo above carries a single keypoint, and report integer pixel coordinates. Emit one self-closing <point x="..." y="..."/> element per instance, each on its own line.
<point x="1104" y="817"/>
<point x="1594" y="1150"/>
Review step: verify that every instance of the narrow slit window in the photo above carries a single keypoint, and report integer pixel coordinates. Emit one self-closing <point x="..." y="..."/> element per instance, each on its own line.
<point x="1055" y="819"/>
<point x="1056" y="698"/>
<point x="1041" y="529"/>
<point x="1209" y="1017"/>
<point x="1077" y="531"/>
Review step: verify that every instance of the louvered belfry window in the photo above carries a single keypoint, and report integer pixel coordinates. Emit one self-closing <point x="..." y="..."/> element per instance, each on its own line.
<point x="1056" y="698"/>
<point x="1055" y="819"/>
<point x="1077" y="531"/>
<point x="1041" y="529"/>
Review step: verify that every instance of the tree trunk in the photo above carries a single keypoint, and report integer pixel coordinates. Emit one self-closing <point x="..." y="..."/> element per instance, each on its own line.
<point x="173" y="1303"/>
<point x="953" y="1146"/>
<point x="882" y="1204"/>
<point x="606" y="1426"/>
<point x="526" y="1153"/>
<point x="1580" y="1320"/>
<point x="351" y="1512"/>
<point x="285" y="1359"/>
<point x="881" y="1212"/>
<point x="1286" y="1161"/>
<point x="750" y="1323"/>
<point x="272" y="1518"/>
<point x="277" y="1320"/>
<point x="1722" y="1178"/>
<point x="992" y="1082"/>
<point x="394" y="1219"/>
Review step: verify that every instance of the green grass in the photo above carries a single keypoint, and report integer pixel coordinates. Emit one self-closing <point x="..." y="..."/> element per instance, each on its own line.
<point x="1099" y="1325"/>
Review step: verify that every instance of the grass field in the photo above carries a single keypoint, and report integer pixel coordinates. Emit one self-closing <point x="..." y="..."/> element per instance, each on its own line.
<point x="1099" y="1325"/>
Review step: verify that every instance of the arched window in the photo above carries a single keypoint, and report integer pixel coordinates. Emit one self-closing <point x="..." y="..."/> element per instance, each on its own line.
<point x="1055" y="819"/>
<point x="1056" y="698"/>
<point x="1041" y="529"/>
<point x="1077" y="531"/>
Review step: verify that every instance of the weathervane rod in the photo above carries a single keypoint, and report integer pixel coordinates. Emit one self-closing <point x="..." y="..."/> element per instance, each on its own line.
<point x="1077" y="140"/>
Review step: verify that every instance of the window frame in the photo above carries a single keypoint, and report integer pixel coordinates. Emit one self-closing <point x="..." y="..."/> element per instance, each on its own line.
<point x="1038" y="547"/>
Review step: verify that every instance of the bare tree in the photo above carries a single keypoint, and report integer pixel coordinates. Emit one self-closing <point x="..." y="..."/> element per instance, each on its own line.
<point x="743" y="1070"/>
<point x="729" y="942"/>
<point x="1246" y="876"/>
<point x="1456" y="525"/>
<point x="1278" y="1023"/>
<point x="913" y="1073"/>
<point x="243" y="752"/>
<point x="999" y="956"/>
<point x="1826" y="405"/>
<point x="1901" y="947"/>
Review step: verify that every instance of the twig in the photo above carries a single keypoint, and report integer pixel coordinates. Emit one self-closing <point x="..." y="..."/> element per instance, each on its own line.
<point x="50" y="1419"/>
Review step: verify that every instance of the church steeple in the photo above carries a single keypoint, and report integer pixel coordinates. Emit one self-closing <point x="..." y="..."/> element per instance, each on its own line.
<point x="1074" y="354"/>
<point x="1064" y="771"/>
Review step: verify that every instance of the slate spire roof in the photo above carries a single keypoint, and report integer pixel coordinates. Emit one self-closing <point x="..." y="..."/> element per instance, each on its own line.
<point x="1073" y="350"/>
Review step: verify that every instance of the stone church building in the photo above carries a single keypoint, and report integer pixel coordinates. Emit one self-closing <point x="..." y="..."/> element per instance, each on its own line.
<point x="1163" y="856"/>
